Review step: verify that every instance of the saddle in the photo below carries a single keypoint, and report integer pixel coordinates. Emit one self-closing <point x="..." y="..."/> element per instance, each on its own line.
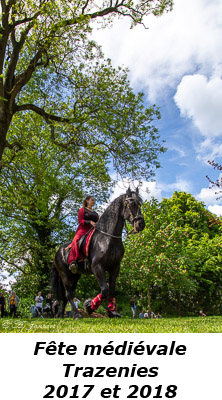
<point x="65" y="252"/>
<point x="84" y="243"/>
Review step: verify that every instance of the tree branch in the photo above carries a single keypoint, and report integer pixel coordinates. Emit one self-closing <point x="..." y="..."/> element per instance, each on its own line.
<point x="13" y="145"/>
<point x="42" y="113"/>
<point x="14" y="265"/>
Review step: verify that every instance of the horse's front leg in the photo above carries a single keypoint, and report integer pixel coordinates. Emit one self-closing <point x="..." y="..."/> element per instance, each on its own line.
<point x="112" y="310"/>
<point x="92" y="305"/>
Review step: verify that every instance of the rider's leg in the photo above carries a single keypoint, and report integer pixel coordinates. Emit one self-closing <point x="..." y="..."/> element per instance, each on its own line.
<point x="74" y="254"/>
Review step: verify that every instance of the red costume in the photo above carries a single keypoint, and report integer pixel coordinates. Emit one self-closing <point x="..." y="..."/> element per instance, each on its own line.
<point x="84" y="216"/>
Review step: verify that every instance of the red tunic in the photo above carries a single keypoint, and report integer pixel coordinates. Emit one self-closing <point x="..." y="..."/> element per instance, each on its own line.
<point x="84" y="217"/>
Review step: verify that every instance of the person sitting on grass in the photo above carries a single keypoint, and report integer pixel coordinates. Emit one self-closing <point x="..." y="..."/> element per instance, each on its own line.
<point x="39" y="303"/>
<point x="202" y="314"/>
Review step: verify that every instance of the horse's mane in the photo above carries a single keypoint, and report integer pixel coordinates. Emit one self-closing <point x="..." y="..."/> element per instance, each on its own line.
<point x="108" y="217"/>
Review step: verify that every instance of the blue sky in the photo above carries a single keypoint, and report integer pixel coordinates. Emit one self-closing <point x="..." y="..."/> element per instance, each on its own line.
<point x="177" y="63"/>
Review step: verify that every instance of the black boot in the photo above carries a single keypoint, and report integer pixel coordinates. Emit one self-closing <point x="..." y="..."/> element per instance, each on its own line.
<point x="86" y="264"/>
<point x="73" y="267"/>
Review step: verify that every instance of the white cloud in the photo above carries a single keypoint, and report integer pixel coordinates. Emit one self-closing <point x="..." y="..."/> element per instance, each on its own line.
<point x="216" y="209"/>
<point x="180" y="184"/>
<point x="201" y="100"/>
<point x="180" y="152"/>
<point x="183" y="41"/>
<point x="147" y="190"/>
<point x="208" y="196"/>
<point x="209" y="149"/>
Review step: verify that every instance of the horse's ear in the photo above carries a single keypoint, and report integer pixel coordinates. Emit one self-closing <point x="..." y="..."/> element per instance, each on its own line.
<point x="128" y="192"/>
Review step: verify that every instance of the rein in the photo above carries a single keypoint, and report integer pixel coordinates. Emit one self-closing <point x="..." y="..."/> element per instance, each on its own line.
<point x="108" y="234"/>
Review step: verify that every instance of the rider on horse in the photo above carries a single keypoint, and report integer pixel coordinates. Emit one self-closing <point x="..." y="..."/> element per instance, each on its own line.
<point x="105" y="252"/>
<point x="87" y="219"/>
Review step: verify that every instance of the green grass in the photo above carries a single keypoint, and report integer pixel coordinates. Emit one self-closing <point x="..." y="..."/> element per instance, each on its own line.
<point x="124" y="325"/>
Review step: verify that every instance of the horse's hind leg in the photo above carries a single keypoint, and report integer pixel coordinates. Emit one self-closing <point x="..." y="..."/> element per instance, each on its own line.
<point x="62" y="307"/>
<point x="69" y="289"/>
<point x="75" y="312"/>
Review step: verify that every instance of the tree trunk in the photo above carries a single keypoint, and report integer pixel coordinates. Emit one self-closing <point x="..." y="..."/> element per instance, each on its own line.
<point x="5" y="120"/>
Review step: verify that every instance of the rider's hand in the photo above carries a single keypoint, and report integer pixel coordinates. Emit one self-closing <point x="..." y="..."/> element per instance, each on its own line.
<point x="93" y="223"/>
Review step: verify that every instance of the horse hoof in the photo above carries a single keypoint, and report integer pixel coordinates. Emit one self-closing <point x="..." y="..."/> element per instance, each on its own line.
<point x="113" y="314"/>
<point x="87" y="306"/>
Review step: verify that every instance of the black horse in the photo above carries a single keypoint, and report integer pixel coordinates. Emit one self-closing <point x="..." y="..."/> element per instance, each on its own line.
<point x="105" y="254"/>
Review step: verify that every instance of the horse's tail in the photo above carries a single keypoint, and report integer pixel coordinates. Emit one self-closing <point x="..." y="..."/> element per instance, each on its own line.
<point x="57" y="284"/>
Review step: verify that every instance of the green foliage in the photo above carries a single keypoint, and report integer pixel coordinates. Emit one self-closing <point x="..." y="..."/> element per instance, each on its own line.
<point x="174" y="265"/>
<point x="45" y="47"/>
<point x="24" y="307"/>
<point x="39" y="203"/>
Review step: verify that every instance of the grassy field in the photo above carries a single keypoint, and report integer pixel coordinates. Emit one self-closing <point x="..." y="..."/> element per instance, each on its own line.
<point x="123" y="325"/>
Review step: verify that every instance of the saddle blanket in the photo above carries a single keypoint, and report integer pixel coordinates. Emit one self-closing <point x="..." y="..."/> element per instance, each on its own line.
<point x="84" y="246"/>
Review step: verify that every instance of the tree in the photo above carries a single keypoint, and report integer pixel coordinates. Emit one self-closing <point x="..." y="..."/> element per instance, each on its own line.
<point x="175" y="263"/>
<point x="43" y="45"/>
<point x="39" y="203"/>
<point x="44" y="179"/>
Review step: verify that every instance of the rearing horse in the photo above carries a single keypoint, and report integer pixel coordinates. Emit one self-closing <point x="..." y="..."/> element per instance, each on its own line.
<point x="105" y="254"/>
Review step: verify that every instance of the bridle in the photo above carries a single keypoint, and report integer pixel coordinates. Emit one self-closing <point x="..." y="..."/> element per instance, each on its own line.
<point x="127" y="202"/>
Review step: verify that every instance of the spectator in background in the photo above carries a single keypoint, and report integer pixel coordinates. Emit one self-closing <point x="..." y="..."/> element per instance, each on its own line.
<point x="68" y="310"/>
<point x="39" y="303"/>
<point x="13" y="304"/>
<point x="48" y="307"/>
<point x="202" y="314"/>
<point x="49" y="301"/>
<point x="133" y="306"/>
<point x="32" y="310"/>
<point x="2" y="304"/>
<point x="141" y="314"/>
<point x="76" y="302"/>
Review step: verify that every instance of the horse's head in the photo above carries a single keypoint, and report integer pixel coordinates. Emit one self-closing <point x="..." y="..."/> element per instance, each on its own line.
<point x="132" y="211"/>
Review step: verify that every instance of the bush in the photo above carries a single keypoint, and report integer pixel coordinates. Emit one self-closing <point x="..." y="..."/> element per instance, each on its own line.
<point x="24" y="307"/>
